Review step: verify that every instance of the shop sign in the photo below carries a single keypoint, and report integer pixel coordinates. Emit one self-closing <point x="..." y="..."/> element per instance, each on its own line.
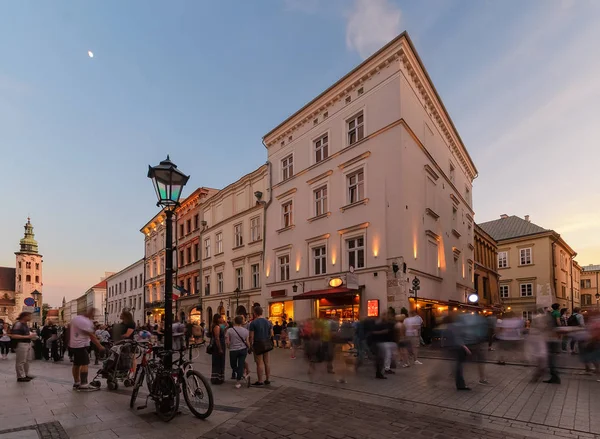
<point x="278" y="293"/>
<point x="352" y="279"/>
<point x="373" y="308"/>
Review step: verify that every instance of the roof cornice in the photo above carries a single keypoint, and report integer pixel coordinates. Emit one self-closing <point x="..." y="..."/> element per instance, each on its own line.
<point x="402" y="50"/>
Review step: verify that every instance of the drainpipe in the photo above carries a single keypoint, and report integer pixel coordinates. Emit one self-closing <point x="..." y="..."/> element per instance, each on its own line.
<point x="554" y="270"/>
<point x="266" y="205"/>
<point x="572" y="293"/>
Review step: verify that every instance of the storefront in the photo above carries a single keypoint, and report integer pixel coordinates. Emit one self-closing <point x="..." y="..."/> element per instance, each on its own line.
<point x="195" y="316"/>
<point x="281" y="311"/>
<point x="339" y="303"/>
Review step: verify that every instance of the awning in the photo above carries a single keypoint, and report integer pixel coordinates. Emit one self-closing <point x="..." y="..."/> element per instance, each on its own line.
<point x="329" y="292"/>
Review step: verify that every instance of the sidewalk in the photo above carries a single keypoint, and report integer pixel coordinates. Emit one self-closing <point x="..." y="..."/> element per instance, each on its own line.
<point x="510" y="404"/>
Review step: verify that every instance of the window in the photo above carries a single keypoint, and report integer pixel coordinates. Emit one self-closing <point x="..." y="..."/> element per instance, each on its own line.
<point x="454" y="217"/>
<point x="189" y="225"/>
<point x="320" y="260"/>
<point x="120" y="287"/>
<point x="502" y="259"/>
<point x="196" y="251"/>
<point x="219" y="244"/>
<point x="356" y="128"/>
<point x="287" y="167"/>
<point x="586" y="299"/>
<point x="255" y="229"/>
<point x="562" y="260"/>
<point x="135" y="282"/>
<point x="355" y="248"/>
<point x="207" y="285"/>
<point x="196" y="222"/>
<point x="19" y="264"/>
<point x="356" y="186"/>
<point x="527" y="315"/>
<point x="586" y="283"/>
<point x="504" y="291"/>
<point x="320" y="201"/>
<point x="181" y="262"/>
<point x="130" y="283"/>
<point x="125" y="286"/>
<point x="284" y="267"/>
<point x="255" y="270"/>
<point x="27" y="264"/>
<point x="237" y="231"/>
<point x="37" y="266"/>
<point x="219" y="283"/>
<point x="141" y="281"/>
<point x="525" y="256"/>
<point x="181" y="230"/>
<point x="239" y="278"/>
<point x="287" y="214"/>
<point x="188" y="252"/>
<point x="321" y="148"/>
<point x="37" y="279"/>
<point x="207" y="248"/>
<point x="564" y="290"/>
<point x="452" y="173"/>
<point x="526" y="290"/>
<point x="162" y="265"/>
<point x="196" y="284"/>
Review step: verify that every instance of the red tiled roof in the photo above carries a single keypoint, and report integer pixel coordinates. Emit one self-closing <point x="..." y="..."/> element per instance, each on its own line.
<point x="100" y="285"/>
<point x="7" y="279"/>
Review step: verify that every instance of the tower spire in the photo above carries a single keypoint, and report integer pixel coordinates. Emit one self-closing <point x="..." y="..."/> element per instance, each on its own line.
<point x="28" y="243"/>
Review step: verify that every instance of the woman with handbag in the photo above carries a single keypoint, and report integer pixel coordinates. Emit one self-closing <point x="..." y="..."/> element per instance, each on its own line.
<point x="236" y="339"/>
<point x="216" y="348"/>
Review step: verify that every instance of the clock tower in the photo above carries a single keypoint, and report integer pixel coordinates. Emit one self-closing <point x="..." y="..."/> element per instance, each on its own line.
<point x="28" y="274"/>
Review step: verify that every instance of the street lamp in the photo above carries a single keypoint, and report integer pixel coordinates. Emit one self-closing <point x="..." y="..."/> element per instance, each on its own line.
<point x="168" y="183"/>
<point x="238" y="293"/>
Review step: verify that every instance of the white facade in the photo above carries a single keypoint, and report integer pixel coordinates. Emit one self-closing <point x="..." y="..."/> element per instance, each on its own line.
<point x="370" y="174"/>
<point x="125" y="290"/>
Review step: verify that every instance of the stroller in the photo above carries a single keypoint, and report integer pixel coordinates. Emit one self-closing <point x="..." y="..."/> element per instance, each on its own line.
<point x="117" y="367"/>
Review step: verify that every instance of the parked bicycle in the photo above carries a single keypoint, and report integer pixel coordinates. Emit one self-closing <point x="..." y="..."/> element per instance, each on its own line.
<point x="166" y="385"/>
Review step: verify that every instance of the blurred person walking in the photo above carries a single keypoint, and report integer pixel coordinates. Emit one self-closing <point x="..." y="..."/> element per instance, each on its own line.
<point x="216" y="348"/>
<point x="509" y="332"/>
<point x="413" y="324"/>
<point x="4" y="340"/>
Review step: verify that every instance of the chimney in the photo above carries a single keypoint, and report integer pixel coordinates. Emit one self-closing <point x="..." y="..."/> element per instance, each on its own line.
<point x="503" y="216"/>
<point x="527" y="218"/>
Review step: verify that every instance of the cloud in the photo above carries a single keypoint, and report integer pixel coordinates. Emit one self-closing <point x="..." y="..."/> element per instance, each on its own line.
<point x="370" y="25"/>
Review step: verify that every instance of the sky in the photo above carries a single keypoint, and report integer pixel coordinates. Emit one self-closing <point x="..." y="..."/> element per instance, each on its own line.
<point x="203" y="81"/>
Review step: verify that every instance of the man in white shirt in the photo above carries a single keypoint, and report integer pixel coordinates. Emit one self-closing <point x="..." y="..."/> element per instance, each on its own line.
<point x="413" y="333"/>
<point x="81" y="334"/>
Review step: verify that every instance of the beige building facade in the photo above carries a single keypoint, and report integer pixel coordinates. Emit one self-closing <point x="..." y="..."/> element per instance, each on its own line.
<point x="372" y="187"/>
<point x="125" y="291"/>
<point x="232" y="245"/>
<point x="590" y="287"/>
<point x="535" y="266"/>
<point x="487" y="279"/>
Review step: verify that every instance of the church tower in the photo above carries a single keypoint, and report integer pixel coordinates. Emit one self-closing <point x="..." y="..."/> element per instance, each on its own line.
<point x="28" y="273"/>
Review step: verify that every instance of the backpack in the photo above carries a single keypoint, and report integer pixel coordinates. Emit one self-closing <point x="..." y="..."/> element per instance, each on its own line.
<point x="572" y="320"/>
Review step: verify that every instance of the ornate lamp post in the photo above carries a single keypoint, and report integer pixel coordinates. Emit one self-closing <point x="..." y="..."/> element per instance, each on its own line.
<point x="238" y="293"/>
<point x="168" y="183"/>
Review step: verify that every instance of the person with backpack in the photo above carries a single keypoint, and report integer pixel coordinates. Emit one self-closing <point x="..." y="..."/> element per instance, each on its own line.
<point x="576" y="319"/>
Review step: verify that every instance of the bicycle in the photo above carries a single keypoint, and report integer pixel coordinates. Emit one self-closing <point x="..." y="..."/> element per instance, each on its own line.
<point x="146" y="369"/>
<point x="167" y="385"/>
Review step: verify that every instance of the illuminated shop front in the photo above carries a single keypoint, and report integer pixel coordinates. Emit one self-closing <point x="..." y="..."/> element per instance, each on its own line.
<point x="339" y="303"/>
<point x="280" y="311"/>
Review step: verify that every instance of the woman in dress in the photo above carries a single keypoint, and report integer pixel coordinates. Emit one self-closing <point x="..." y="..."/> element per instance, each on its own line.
<point x="217" y="333"/>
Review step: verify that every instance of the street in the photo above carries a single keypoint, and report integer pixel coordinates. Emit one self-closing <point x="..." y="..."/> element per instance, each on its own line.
<point x="418" y="400"/>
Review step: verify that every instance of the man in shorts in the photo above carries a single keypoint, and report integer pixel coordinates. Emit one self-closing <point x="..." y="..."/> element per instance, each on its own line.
<point x="81" y="333"/>
<point x="261" y="335"/>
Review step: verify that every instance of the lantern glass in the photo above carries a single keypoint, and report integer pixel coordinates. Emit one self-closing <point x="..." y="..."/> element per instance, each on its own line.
<point x="168" y="182"/>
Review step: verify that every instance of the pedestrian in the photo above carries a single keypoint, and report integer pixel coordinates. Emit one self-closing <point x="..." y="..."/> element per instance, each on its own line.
<point x="81" y="334"/>
<point x="277" y="333"/>
<point x="261" y="342"/>
<point x="179" y="341"/>
<point x="284" y="334"/>
<point x="575" y="320"/>
<point x="236" y="339"/>
<point x="22" y="336"/>
<point x="509" y="332"/>
<point x="413" y="324"/>
<point x="4" y="340"/>
<point x="401" y="340"/>
<point x="554" y="343"/>
<point x="564" y="319"/>
<point x="217" y="334"/>
<point x="294" y="335"/>
<point x="104" y="338"/>
<point x="469" y="335"/>
<point x="45" y="334"/>
<point x="53" y="343"/>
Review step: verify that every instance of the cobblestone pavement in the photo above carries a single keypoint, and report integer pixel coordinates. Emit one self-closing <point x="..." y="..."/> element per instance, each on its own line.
<point x="508" y="404"/>
<point x="299" y="414"/>
<point x="48" y="430"/>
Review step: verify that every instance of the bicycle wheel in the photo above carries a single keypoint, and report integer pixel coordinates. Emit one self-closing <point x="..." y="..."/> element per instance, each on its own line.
<point x="198" y="394"/>
<point x="151" y="370"/>
<point x="137" y="383"/>
<point x="166" y="396"/>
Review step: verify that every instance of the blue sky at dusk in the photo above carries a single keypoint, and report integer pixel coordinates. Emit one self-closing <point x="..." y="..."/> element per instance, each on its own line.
<point x="205" y="80"/>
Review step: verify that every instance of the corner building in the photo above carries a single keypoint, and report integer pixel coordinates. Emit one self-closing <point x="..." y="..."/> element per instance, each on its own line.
<point x="371" y="188"/>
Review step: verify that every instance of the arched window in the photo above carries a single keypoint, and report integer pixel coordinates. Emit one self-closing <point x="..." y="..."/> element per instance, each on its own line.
<point x="19" y="264"/>
<point x="19" y="278"/>
<point x="28" y="278"/>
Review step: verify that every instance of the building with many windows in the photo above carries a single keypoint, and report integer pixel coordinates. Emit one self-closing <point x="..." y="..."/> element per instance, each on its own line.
<point x="231" y="247"/>
<point x="590" y="287"/>
<point x="189" y="264"/>
<point x="535" y="264"/>
<point x="125" y="290"/>
<point x="486" y="280"/>
<point x="371" y="189"/>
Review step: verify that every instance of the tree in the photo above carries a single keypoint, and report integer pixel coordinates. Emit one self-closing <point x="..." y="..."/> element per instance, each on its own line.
<point x="45" y="308"/>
